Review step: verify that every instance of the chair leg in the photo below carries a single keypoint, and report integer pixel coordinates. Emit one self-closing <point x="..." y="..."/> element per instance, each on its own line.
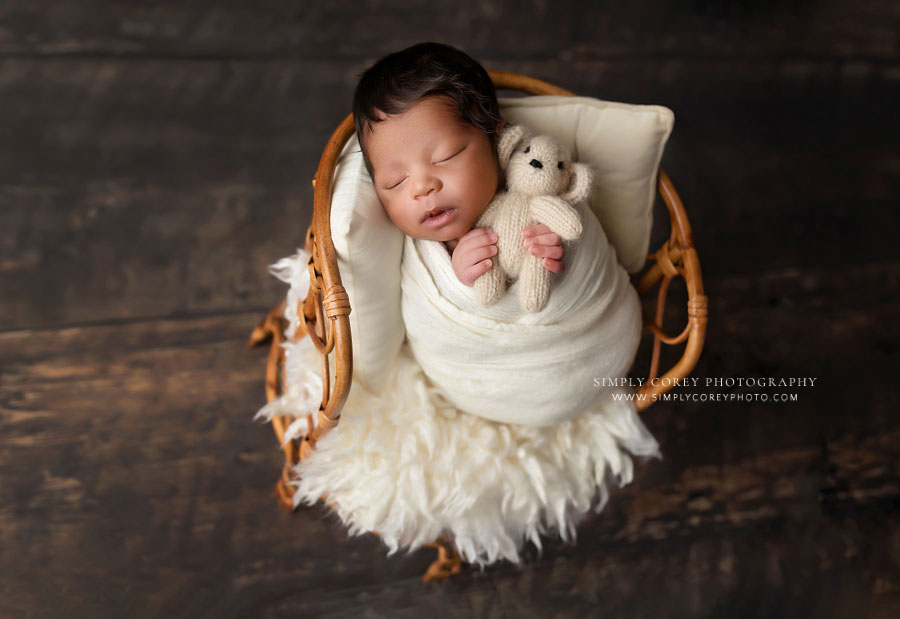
<point x="285" y="496"/>
<point x="284" y="490"/>
<point x="448" y="563"/>
<point x="262" y="333"/>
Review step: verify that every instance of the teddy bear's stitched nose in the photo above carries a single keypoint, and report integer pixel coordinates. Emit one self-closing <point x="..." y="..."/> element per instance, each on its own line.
<point x="535" y="163"/>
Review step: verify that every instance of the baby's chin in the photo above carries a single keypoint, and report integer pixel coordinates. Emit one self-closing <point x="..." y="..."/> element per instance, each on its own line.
<point x="434" y="236"/>
<point x="443" y="234"/>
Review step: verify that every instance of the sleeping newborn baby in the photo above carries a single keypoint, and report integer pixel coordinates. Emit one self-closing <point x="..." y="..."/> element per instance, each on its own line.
<point x="435" y="174"/>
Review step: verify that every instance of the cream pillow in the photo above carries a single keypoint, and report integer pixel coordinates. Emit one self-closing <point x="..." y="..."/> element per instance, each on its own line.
<point x="368" y="248"/>
<point x="622" y="142"/>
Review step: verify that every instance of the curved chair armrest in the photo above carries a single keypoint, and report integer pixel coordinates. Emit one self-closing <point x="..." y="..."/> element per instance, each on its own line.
<point x="677" y="256"/>
<point x="327" y="298"/>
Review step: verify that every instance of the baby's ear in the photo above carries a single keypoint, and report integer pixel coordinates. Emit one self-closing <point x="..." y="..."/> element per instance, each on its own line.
<point x="510" y="138"/>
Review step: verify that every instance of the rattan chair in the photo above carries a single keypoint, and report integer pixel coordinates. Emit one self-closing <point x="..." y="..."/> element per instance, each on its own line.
<point x="325" y="312"/>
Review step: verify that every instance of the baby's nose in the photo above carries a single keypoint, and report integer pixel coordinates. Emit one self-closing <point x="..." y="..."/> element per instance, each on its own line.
<point x="423" y="187"/>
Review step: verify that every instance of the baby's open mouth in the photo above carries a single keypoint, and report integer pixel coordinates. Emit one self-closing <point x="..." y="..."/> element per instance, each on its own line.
<point x="438" y="216"/>
<point x="433" y="213"/>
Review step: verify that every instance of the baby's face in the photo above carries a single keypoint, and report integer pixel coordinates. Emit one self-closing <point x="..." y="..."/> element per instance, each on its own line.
<point x="425" y="161"/>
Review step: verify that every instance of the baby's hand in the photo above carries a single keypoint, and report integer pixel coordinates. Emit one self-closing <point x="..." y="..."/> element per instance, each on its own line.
<point x="471" y="256"/>
<point x="540" y="241"/>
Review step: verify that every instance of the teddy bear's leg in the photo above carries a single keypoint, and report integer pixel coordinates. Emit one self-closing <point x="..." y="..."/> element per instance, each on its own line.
<point x="491" y="284"/>
<point x="534" y="282"/>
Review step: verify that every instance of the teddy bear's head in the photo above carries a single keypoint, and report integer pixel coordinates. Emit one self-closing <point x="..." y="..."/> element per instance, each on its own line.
<point x="541" y="165"/>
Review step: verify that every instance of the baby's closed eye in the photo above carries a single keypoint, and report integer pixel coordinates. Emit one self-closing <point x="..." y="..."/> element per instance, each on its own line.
<point x="453" y="155"/>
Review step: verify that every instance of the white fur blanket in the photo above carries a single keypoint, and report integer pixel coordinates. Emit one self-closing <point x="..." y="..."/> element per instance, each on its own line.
<point x="509" y="365"/>
<point x="408" y="464"/>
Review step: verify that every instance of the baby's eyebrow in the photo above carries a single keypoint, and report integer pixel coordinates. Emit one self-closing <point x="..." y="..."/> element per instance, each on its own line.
<point x="387" y="161"/>
<point x="390" y="164"/>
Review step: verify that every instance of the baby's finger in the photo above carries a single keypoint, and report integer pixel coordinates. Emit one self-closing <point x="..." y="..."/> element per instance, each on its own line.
<point x="477" y="254"/>
<point x="478" y="237"/>
<point x="476" y="270"/>
<point x="548" y="251"/>
<point x="550" y="238"/>
<point x="534" y="230"/>
<point x="554" y="266"/>
<point x="477" y="232"/>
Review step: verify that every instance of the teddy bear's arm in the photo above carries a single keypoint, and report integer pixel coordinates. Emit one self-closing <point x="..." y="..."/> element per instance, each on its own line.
<point x="557" y="215"/>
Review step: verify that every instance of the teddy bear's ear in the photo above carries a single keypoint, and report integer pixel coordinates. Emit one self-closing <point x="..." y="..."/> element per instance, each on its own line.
<point x="580" y="185"/>
<point x="510" y="138"/>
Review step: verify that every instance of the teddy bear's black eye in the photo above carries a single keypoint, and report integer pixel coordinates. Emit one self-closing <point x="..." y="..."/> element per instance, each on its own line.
<point x="559" y="165"/>
<point x="527" y="148"/>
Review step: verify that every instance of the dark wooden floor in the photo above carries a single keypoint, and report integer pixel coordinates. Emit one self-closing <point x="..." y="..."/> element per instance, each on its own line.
<point x="156" y="157"/>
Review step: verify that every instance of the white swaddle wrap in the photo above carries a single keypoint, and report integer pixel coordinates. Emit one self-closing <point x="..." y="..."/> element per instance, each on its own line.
<point x="508" y="365"/>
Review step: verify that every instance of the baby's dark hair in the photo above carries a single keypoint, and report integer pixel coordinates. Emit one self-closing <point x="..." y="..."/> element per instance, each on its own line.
<point x="394" y="83"/>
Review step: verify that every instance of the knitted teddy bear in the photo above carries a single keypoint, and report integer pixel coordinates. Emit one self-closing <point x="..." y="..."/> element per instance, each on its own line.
<point x="542" y="184"/>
